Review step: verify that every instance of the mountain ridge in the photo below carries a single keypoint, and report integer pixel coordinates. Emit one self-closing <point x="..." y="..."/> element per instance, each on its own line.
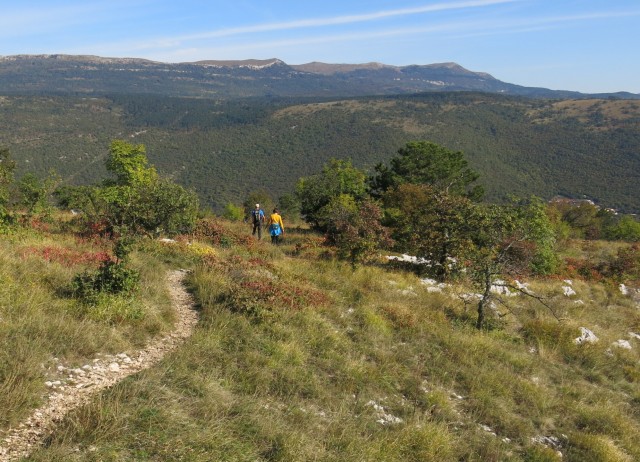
<point x="90" y="74"/>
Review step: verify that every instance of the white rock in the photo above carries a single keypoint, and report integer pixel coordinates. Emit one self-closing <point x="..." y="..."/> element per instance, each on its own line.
<point x="622" y="344"/>
<point x="429" y="282"/>
<point x="488" y="429"/>
<point x="586" y="337"/>
<point x="568" y="291"/>
<point x="623" y="289"/>
<point x="114" y="367"/>
<point x="634" y="335"/>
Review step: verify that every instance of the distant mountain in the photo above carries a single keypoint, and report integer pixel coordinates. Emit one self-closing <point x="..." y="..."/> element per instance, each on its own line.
<point x="94" y="75"/>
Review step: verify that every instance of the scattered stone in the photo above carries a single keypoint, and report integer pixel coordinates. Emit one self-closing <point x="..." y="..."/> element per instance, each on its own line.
<point x="20" y="441"/>
<point x="586" y="337"/>
<point x="433" y="285"/>
<point x="568" y="291"/>
<point x="488" y="429"/>
<point x="622" y="344"/>
<point x="500" y="287"/>
<point x="549" y="441"/>
<point x="114" y="367"/>
<point x="383" y="417"/>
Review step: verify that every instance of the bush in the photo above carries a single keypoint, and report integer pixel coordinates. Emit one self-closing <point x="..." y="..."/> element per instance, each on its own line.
<point x="111" y="278"/>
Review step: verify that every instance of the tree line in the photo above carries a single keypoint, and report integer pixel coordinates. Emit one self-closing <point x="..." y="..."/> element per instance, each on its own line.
<point x="426" y="201"/>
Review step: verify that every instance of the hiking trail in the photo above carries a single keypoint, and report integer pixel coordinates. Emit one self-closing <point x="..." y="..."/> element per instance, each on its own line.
<point x="79" y="385"/>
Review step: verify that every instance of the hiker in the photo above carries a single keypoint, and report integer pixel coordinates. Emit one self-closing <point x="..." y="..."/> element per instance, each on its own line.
<point x="276" y="227"/>
<point x="257" y="218"/>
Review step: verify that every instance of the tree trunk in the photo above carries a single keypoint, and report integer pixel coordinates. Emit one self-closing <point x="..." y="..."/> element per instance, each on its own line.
<point x="485" y="298"/>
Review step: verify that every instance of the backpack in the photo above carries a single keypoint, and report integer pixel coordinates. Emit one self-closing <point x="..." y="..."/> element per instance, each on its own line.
<point x="256" y="216"/>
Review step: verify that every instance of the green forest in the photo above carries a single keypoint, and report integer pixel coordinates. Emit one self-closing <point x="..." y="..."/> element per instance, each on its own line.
<point x="224" y="150"/>
<point x="406" y="320"/>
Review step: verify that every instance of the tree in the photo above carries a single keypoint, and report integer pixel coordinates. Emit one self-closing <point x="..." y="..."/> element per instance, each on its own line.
<point x="165" y="207"/>
<point x="7" y="167"/>
<point x="137" y="199"/>
<point x="289" y="207"/>
<point x="261" y="197"/>
<point x="34" y="193"/>
<point x="354" y="228"/>
<point x="128" y="163"/>
<point x="233" y="212"/>
<point x="424" y="162"/>
<point x="338" y="177"/>
<point x="627" y="228"/>
<point x="430" y="224"/>
<point x="508" y="241"/>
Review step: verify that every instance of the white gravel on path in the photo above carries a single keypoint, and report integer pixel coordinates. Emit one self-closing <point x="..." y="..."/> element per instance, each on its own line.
<point x="81" y="384"/>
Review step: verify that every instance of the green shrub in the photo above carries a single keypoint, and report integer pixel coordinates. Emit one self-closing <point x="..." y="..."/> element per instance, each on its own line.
<point x="111" y="278"/>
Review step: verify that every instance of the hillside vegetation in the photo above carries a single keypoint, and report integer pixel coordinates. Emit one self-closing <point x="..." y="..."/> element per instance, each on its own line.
<point x="300" y="357"/>
<point x="226" y="149"/>
<point x="502" y="337"/>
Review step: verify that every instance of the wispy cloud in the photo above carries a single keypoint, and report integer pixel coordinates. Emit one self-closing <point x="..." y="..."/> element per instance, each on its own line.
<point x="457" y="29"/>
<point x="321" y="22"/>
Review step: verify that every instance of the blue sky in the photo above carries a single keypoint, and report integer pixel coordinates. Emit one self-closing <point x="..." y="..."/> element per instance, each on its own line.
<point x="583" y="45"/>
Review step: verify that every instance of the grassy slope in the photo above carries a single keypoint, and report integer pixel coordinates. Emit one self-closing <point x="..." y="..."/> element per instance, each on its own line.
<point x="298" y="357"/>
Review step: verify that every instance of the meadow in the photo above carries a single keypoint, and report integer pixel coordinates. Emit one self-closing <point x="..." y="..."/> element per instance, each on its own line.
<point x="299" y="356"/>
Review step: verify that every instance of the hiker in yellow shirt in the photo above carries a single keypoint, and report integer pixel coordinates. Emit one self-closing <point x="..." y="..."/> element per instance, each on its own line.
<point x="276" y="227"/>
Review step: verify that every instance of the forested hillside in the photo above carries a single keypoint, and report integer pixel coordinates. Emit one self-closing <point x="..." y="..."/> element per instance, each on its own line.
<point x="224" y="150"/>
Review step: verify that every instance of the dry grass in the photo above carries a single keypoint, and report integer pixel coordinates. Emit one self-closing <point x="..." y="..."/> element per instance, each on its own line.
<point x="298" y="357"/>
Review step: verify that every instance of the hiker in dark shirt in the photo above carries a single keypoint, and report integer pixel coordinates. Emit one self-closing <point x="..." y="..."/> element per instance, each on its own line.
<point x="257" y="219"/>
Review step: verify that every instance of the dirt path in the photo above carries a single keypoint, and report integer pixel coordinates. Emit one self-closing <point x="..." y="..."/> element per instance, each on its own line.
<point x="77" y="386"/>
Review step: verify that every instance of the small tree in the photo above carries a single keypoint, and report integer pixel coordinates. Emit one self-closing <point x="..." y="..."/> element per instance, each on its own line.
<point x="354" y="228"/>
<point x="627" y="228"/>
<point x="431" y="225"/>
<point x="338" y="177"/>
<point x="508" y="241"/>
<point x="233" y="212"/>
<point x="289" y="207"/>
<point x="137" y="198"/>
<point x="34" y="193"/>
<point x="423" y="162"/>
<point x="261" y="197"/>
<point x="7" y="167"/>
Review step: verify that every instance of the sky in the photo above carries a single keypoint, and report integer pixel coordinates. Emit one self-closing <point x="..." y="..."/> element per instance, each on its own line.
<point x="582" y="45"/>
